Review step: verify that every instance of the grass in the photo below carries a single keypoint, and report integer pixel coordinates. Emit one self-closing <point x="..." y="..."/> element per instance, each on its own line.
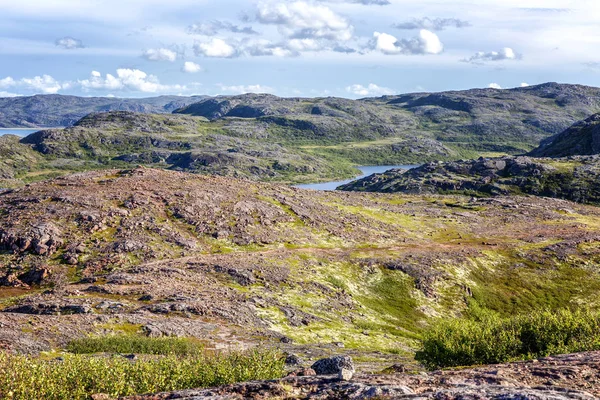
<point x="492" y="339"/>
<point x="135" y="344"/>
<point x="80" y="376"/>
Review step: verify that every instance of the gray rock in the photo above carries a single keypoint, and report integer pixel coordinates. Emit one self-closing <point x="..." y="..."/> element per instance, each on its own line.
<point x="292" y="359"/>
<point x="333" y="365"/>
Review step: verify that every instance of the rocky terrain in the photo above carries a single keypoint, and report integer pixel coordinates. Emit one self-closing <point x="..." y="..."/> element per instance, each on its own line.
<point x="565" y="166"/>
<point x="57" y="110"/>
<point x="403" y="129"/>
<point x="448" y="122"/>
<point x="295" y="140"/>
<point x="119" y="139"/>
<point x="236" y="263"/>
<point x="574" y="376"/>
<point x="583" y="138"/>
<point x="575" y="178"/>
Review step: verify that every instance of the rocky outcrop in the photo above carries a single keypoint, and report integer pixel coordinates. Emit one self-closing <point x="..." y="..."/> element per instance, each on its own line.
<point x="42" y="238"/>
<point x="575" y="178"/>
<point x="583" y="138"/>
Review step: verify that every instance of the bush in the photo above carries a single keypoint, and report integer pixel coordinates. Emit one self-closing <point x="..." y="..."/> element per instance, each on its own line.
<point x="493" y="340"/>
<point x="135" y="344"/>
<point x="78" y="376"/>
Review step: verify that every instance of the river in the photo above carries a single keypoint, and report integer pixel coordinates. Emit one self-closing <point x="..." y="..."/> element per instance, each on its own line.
<point x="366" y="171"/>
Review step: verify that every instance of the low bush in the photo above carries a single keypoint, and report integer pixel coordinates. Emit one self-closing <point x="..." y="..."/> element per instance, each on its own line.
<point x="135" y="344"/>
<point x="492" y="339"/>
<point x="80" y="376"/>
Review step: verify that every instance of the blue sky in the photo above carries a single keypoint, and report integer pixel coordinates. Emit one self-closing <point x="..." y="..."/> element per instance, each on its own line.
<point x="349" y="48"/>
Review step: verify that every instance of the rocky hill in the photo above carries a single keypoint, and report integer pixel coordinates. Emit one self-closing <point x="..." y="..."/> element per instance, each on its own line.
<point x="237" y="263"/>
<point x="296" y="140"/>
<point x="576" y="178"/>
<point x="58" y="110"/>
<point x="511" y="121"/>
<point x="391" y="129"/>
<point x="179" y="142"/>
<point x="583" y="138"/>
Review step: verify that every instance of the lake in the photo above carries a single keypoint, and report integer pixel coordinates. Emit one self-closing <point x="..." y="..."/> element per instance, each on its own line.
<point x="18" y="132"/>
<point x="366" y="171"/>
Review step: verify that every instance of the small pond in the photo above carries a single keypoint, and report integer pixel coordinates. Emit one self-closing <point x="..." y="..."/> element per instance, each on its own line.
<point x="366" y="171"/>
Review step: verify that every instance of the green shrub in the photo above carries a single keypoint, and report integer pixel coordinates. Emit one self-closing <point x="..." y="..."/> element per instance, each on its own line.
<point x="496" y="340"/>
<point x="135" y="344"/>
<point x="79" y="376"/>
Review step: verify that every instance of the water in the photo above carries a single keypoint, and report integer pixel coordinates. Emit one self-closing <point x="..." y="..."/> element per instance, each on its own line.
<point x="366" y="171"/>
<point x="18" y="132"/>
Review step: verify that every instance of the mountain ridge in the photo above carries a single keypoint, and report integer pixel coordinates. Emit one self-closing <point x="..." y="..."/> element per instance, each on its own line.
<point x="54" y="110"/>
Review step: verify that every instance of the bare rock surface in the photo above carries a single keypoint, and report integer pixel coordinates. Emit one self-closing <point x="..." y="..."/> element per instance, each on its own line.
<point x="238" y="264"/>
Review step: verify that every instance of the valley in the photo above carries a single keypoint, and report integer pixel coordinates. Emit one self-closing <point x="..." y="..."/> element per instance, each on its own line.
<point x="187" y="231"/>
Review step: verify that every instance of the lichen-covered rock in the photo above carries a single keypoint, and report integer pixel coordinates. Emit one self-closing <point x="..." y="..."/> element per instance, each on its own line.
<point x="333" y="365"/>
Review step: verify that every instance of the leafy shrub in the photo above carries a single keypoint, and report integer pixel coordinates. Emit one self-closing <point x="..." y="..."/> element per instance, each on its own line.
<point x="496" y="340"/>
<point x="135" y="344"/>
<point x="79" y="376"/>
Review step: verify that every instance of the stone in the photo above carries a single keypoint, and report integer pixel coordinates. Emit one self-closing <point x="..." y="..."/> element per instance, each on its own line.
<point x="292" y="359"/>
<point x="303" y="372"/>
<point x="345" y="374"/>
<point x="333" y="365"/>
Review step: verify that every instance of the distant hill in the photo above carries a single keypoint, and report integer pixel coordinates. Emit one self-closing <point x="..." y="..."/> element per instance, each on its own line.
<point x="408" y="127"/>
<point x="456" y="124"/>
<point x="583" y="138"/>
<point x="58" y="110"/>
<point x="179" y="142"/>
<point x="292" y="140"/>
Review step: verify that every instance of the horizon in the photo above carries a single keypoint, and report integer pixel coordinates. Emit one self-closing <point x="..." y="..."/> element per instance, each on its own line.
<point x="293" y="48"/>
<point x="142" y="97"/>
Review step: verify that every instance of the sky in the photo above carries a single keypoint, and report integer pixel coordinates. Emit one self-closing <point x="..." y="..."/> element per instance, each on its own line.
<point x="308" y="48"/>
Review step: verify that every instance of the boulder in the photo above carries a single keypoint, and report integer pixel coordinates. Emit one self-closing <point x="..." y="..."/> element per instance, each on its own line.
<point x="333" y="365"/>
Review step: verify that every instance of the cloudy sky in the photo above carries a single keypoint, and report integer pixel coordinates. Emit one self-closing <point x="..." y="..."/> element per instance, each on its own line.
<point x="349" y="48"/>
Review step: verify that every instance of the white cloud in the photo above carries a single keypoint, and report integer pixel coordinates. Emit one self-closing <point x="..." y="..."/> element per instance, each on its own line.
<point x="433" y="24"/>
<point x="505" y="54"/>
<point x="426" y="43"/>
<point x="241" y="89"/>
<point x="8" y="94"/>
<point x="191" y="67"/>
<point x="494" y="86"/>
<point x="263" y="47"/>
<point x="215" y="48"/>
<point x="39" y="84"/>
<point x="214" y="27"/>
<point x="363" y="2"/>
<point x="524" y="84"/>
<point x="304" y="45"/>
<point x="7" y="82"/>
<point x="161" y="54"/>
<point x="370" y="90"/>
<point x="302" y="20"/>
<point x="133" y="80"/>
<point x="69" y="43"/>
